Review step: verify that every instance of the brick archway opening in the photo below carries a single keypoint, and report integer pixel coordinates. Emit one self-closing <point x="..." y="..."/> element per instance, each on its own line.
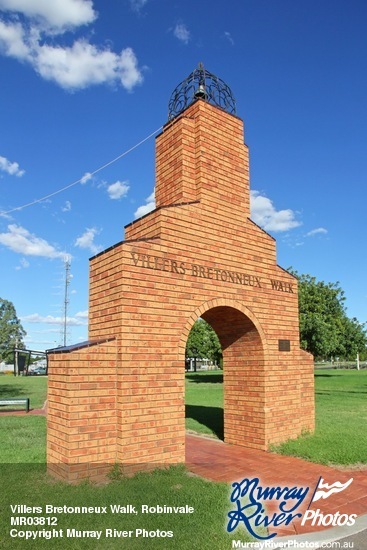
<point x="243" y="375"/>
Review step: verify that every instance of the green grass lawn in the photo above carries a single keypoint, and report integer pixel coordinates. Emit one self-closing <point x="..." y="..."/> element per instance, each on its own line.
<point x="34" y="387"/>
<point x="341" y="419"/>
<point x="204" y="402"/>
<point x="23" y="439"/>
<point x="205" y="528"/>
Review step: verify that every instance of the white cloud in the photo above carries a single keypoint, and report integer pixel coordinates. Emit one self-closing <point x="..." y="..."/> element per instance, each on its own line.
<point x="86" y="241"/>
<point x="82" y="315"/>
<point x="318" y="231"/>
<point x="127" y="69"/>
<point x="20" y="240"/>
<point x="23" y="264"/>
<point x="87" y="176"/>
<point x="84" y="64"/>
<point x="118" y="190"/>
<point x="11" y="168"/>
<point x="51" y="320"/>
<point x="182" y="33"/>
<point x="66" y="207"/>
<point x="228" y="36"/>
<point x="12" y="41"/>
<point x="147" y="207"/>
<point x="137" y="5"/>
<point x="72" y="67"/>
<point x="56" y="13"/>
<point x="266" y="216"/>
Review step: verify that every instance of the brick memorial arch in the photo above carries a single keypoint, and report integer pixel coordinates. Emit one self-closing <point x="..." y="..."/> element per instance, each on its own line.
<point x="119" y="397"/>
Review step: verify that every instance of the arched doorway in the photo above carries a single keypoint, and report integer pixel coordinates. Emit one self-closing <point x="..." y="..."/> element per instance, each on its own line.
<point x="242" y="343"/>
<point x="204" y="381"/>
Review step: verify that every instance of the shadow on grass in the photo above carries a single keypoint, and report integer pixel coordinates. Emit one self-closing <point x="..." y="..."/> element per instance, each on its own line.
<point x="343" y="393"/>
<point x="207" y="378"/>
<point x="324" y="375"/>
<point x="212" y="417"/>
<point x="11" y="391"/>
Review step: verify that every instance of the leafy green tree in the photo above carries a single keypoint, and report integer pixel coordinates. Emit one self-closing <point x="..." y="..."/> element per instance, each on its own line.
<point x="325" y="329"/>
<point x="11" y="331"/>
<point x="203" y="342"/>
<point x="355" y="339"/>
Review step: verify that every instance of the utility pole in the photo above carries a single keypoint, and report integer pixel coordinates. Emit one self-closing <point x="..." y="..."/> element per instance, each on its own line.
<point x="16" y="362"/>
<point x="66" y="300"/>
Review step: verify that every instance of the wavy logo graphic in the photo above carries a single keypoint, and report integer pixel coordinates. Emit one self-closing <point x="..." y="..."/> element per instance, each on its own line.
<point x="324" y="490"/>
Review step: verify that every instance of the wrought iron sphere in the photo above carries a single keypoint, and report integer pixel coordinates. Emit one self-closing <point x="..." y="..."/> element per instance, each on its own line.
<point x="201" y="84"/>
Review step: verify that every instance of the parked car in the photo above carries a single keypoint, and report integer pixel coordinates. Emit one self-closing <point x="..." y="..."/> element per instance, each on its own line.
<point x="38" y="371"/>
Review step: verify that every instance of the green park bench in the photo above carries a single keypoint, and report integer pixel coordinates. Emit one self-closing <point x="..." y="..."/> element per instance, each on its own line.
<point x="15" y="401"/>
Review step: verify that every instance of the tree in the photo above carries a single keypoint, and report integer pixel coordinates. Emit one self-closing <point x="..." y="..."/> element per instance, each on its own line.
<point x="203" y="342"/>
<point x="355" y="340"/>
<point x="11" y="331"/>
<point x="325" y="329"/>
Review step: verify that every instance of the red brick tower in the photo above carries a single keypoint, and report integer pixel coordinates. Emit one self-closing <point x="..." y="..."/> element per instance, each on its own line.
<point x="119" y="398"/>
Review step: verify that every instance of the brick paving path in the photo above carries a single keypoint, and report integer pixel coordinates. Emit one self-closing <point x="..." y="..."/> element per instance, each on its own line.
<point x="214" y="460"/>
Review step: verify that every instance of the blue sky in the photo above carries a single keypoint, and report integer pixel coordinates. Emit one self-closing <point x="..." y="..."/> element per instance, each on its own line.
<point x="83" y="82"/>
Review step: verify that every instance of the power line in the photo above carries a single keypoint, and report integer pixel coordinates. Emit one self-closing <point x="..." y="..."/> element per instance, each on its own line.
<point x="80" y="180"/>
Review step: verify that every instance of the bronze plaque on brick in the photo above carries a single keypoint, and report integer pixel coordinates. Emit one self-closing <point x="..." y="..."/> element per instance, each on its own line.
<point x="284" y="345"/>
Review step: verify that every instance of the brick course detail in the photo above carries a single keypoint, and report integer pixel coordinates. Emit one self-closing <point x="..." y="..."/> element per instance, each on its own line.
<point x="120" y="398"/>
